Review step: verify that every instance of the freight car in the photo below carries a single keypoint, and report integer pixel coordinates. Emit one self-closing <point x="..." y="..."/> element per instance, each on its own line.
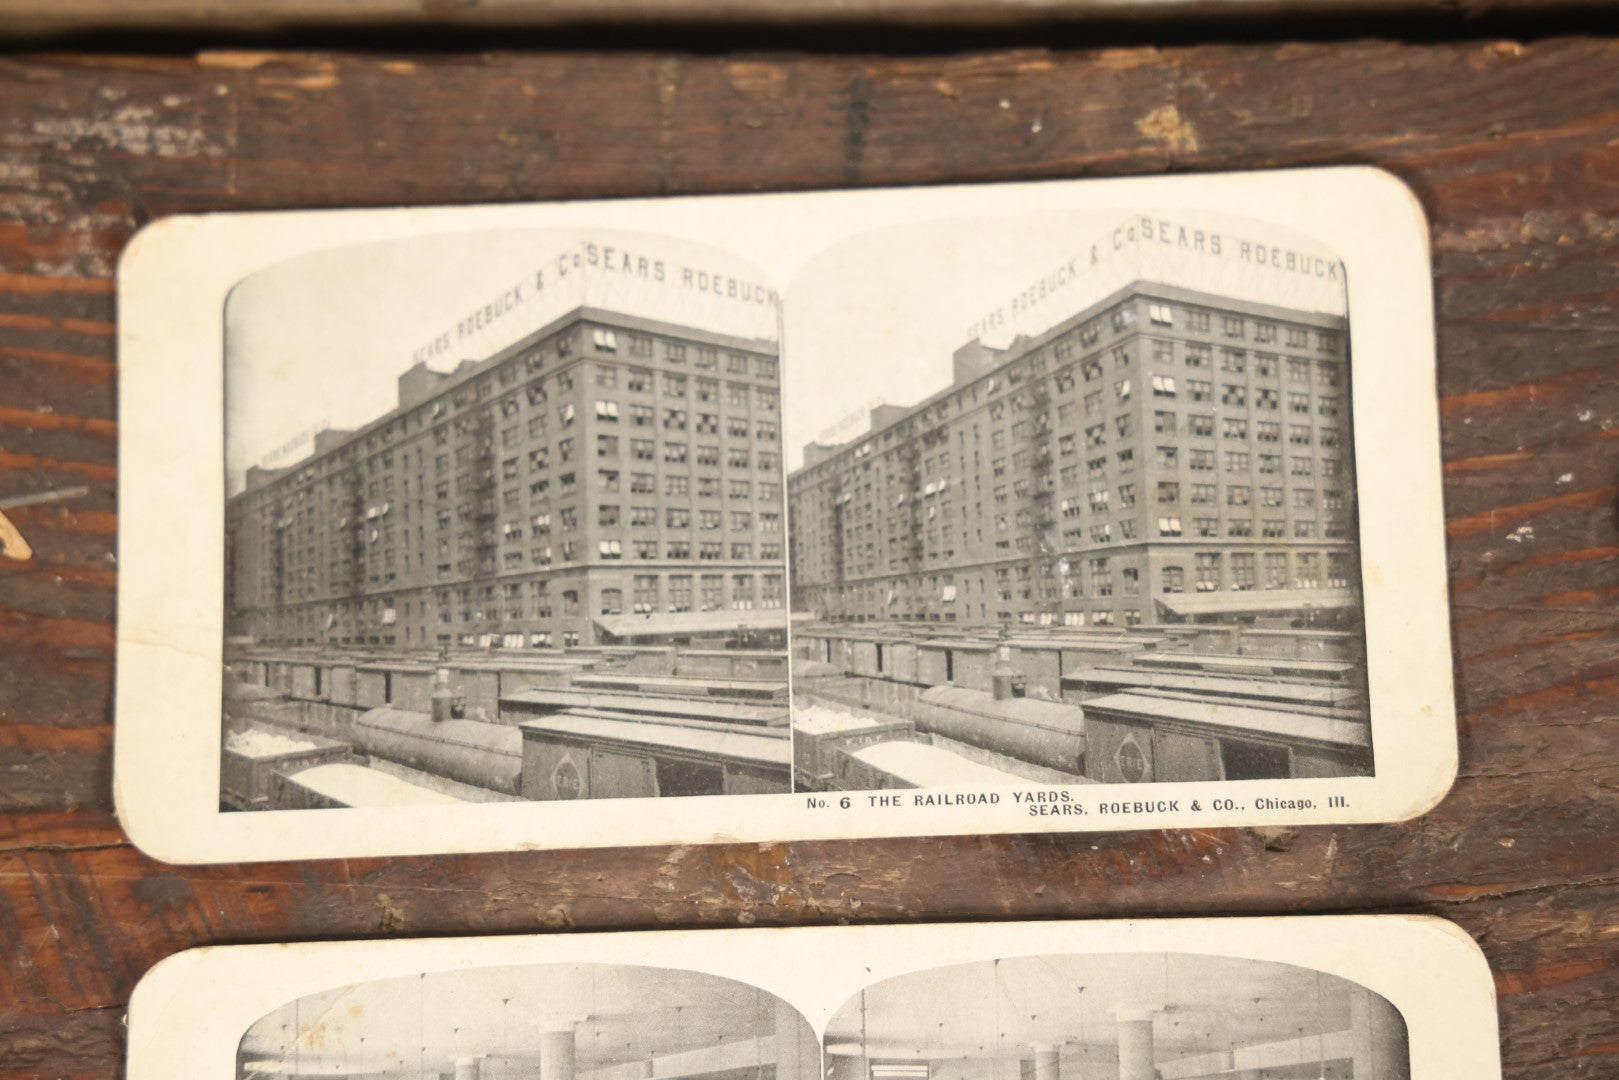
<point x="594" y="753"/>
<point x="471" y="752"/>
<point x="252" y="756"/>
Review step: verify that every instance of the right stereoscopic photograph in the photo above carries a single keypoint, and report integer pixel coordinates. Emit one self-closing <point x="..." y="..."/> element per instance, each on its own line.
<point x="1089" y="515"/>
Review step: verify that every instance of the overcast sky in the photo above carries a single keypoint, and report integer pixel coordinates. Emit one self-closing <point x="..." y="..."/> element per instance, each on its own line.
<point x="319" y="340"/>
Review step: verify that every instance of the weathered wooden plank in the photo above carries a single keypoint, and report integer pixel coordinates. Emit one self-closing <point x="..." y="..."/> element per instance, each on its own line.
<point x="1511" y="148"/>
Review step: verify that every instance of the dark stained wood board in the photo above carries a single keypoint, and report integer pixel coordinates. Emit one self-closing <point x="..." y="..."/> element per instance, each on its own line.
<point x="1512" y="149"/>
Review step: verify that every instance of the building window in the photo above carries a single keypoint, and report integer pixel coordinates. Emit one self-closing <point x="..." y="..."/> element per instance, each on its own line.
<point x="678" y="518"/>
<point x="1201" y="460"/>
<point x="1236" y="461"/>
<point x="612" y="601"/>
<point x="1208" y="571"/>
<point x="605" y="340"/>
<point x="1234" y="395"/>
<point x="1233" y="326"/>
<point x="1306" y="570"/>
<point x="1174" y="579"/>
<point x="1237" y="495"/>
<point x="1169" y="526"/>
<point x="1161" y="314"/>
<point x="1242" y="571"/>
<point x="1121" y="390"/>
<point x="1168" y="457"/>
<point x="1163" y="423"/>
<point x="1206" y="526"/>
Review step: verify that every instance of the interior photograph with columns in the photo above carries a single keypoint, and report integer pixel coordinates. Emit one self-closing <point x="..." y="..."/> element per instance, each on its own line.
<point x="536" y="1022"/>
<point x="1129" y="1016"/>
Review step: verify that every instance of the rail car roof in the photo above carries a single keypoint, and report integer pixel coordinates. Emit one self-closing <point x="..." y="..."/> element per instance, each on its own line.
<point x="1228" y="662"/>
<point x="770" y="714"/>
<point x="1308" y="693"/>
<point x="643" y="734"/>
<point x="1233" y="718"/>
<point x="475" y="735"/>
<point x="1018" y="710"/>
<point x="929" y="766"/>
<point x="357" y="785"/>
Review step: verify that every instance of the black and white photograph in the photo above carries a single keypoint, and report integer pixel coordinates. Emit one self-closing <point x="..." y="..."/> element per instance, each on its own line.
<point x="1006" y="507"/>
<point x="552" y="1021"/>
<point x="1281" y="998"/>
<point x="1118" y="1016"/>
<point x="504" y="521"/>
<point x="1103" y="528"/>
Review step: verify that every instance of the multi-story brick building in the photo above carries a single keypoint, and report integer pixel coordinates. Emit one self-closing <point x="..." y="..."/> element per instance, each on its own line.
<point x="605" y="478"/>
<point x="1164" y="454"/>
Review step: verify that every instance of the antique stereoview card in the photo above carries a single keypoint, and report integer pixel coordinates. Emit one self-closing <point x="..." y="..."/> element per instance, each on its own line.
<point x="1071" y="505"/>
<point x="1343" y="998"/>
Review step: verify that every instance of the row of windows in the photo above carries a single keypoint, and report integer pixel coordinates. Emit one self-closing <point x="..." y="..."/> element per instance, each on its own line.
<point x="573" y="551"/>
<point x="707" y="357"/>
<point x="609" y="515"/>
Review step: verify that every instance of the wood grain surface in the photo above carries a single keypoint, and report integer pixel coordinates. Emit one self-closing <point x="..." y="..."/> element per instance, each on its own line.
<point x="50" y="18"/>
<point x="1513" y="150"/>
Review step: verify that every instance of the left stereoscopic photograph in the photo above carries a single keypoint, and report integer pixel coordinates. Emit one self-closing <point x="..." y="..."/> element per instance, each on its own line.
<point x="503" y="521"/>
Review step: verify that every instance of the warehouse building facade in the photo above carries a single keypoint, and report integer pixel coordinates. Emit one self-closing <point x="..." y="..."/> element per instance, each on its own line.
<point x="605" y="478"/>
<point x="1164" y="455"/>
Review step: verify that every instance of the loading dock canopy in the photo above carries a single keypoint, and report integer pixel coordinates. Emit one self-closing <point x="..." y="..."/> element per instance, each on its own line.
<point x="672" y="624"/>
<point x="1231" y="719"/>
<point x="1259" y="602"/>
<point x="772" y="750"/>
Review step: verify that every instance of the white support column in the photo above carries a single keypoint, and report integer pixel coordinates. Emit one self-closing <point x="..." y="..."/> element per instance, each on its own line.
<point x="556" y="1055"/>
<point x="1378" y="1037"/>
<point x="1135" y="1046"/>
<point x="1047" y="1065"/>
